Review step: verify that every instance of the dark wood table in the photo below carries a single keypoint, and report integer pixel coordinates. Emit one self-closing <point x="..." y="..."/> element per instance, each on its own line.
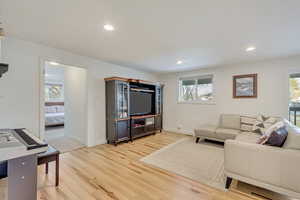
<point x="50" y="155"/>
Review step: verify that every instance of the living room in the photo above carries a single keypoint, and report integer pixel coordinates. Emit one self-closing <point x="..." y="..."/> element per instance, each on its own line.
<point x="183" y="99"/>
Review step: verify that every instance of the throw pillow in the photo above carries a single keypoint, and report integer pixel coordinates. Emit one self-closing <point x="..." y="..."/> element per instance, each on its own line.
<point x="264" y="138"/>
<point x="277" y="137"/>
<point x="293" y="138"/>
<point x="274" y="127"/>
<point x="262" y="123"/>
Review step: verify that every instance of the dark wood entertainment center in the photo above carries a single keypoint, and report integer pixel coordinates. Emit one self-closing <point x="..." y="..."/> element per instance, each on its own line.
<point x="133" y="109"/>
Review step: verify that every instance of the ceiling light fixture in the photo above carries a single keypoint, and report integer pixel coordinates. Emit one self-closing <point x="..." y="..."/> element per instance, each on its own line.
<point x="53" y="63"/>
<point x="109" y="27"/>
<point x="179" y="62"/>
<point x="251" y="48"/>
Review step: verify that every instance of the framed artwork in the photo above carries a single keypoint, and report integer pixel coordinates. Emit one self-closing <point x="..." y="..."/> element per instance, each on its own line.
<point x="54" y="92"/>
<point x="245" y="86"/>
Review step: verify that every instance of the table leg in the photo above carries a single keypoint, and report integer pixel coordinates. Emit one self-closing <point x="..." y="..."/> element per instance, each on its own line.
<point x="295" y="117"/>
<point x="47" y="167"/>
<point x="57" y="171"/>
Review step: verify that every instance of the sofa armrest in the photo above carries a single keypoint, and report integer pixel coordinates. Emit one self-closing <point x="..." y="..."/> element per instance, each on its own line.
<point x="270" y="165"/>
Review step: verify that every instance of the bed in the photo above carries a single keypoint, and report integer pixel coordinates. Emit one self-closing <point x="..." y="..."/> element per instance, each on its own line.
<point x="54" y="114"/>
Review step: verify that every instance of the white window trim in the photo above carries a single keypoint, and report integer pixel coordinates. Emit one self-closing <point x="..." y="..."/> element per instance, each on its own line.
<point x="211" y="102"/>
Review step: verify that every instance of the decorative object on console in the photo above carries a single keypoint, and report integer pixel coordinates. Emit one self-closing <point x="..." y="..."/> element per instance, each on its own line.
<point x="245" y="86"/>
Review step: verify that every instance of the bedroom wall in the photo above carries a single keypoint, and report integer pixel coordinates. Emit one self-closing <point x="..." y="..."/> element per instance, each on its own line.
<point x="75" y="103"/>
<point x="54" y="74"/>
<point x="20" y="87"/>
<point x="272" y="94"/>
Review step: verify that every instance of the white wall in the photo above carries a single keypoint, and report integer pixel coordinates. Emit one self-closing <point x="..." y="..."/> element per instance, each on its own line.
<point x="272" y="94"/>
<point x="54" y="74"/>
<point x="75" y="103"/>
<point x="19" y="88"/>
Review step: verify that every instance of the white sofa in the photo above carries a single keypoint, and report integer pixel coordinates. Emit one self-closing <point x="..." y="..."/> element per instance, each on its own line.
<point x="273" y="168"/>
<point x="228" y="128"/>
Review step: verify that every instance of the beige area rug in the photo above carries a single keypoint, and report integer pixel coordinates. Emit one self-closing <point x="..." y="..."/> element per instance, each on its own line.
<point x="204" y="163"/>
<point x="65" y="144"/>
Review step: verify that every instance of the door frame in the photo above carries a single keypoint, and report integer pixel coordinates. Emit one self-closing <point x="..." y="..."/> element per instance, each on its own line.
<point x="41" y="114"/>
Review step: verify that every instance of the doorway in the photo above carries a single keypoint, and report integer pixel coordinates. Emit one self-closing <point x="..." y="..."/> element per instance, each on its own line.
<point x="63" y="106"/>
<point x="294" y="100"/>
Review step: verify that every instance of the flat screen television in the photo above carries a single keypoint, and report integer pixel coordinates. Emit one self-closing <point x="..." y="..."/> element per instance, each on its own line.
<point x="140" y="103"/>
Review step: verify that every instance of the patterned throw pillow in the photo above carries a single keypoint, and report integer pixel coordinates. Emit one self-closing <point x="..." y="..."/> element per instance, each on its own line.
<point x="262" y="123"/>
<point x="264" y="138"/>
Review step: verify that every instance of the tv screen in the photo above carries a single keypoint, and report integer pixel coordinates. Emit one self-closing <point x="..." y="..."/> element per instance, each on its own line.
<point x="140" y="103"/>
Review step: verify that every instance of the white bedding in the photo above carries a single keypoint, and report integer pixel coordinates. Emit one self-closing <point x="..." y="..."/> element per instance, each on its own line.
<point x="54" y="119"/>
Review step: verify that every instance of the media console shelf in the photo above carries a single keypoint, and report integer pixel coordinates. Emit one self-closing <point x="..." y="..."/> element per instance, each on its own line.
<point x="142" y="125"/>
<point x="133" y="109"/>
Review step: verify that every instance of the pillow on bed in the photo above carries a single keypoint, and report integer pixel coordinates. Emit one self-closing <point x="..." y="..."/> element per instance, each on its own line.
<point x="50" y="109"/>
<point x="60" y="109"/>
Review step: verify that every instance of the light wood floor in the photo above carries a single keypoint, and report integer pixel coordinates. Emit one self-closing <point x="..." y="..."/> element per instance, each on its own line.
<point x="115" y="173"/>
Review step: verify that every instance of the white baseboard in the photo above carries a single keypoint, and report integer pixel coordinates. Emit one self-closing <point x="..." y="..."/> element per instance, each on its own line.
<point x="98" y="142"/>
<point x="185" y="132"/>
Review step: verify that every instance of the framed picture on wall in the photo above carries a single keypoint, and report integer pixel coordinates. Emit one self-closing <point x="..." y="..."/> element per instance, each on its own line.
<point x="245" y="86"/>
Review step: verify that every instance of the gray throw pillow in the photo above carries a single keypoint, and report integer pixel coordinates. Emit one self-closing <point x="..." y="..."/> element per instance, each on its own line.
<point x="293" y="138"/>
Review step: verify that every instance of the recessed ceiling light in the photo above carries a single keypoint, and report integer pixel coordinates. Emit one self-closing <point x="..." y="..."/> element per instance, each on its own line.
<point x="53" y="63"/>
<point x="109" y="27"/>
<point x="251" y="48"/>
<point x="179" y="62"/>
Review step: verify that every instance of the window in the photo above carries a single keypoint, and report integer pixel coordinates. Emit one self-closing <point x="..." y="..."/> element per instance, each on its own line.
<point x="294" y="102"/>
<point x="54" y="92"/>
<point x="196" y="89"/>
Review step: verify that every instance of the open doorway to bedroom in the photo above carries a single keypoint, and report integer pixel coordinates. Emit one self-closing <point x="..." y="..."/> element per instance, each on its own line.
<point x="63" y="113"/>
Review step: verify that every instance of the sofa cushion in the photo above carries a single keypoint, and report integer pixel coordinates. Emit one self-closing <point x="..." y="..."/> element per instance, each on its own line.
<point x="206" y="131"/>
<point x="230" y="121"/>
<point x="248" y="137"/>
<point x="225" y="133"/>
<point x="293" y="139"/>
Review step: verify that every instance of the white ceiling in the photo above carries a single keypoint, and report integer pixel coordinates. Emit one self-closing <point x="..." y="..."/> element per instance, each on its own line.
<point x="152" y="35"/>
